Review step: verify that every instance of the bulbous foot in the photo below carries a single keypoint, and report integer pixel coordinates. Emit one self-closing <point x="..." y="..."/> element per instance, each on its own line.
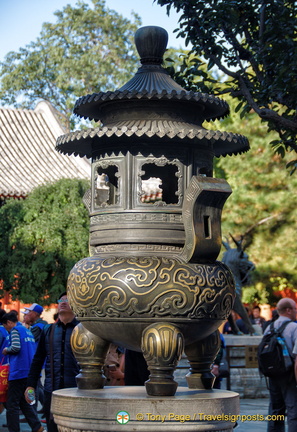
<point x="201" y="356"/>
<point x="90" y="352"/>
<point x="162" y="345"/>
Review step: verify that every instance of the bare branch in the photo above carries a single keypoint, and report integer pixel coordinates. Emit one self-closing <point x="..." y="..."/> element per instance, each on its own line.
<point x="284" y="123"/>
<point x="261" y="222"/>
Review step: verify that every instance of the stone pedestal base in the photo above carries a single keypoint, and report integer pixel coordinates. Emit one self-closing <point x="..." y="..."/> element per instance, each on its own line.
<point x="130" y="409"/>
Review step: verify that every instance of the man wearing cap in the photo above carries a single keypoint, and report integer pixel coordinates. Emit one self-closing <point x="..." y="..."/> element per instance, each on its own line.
<point x="61" y="366"/>
<point x="33" y="321"/>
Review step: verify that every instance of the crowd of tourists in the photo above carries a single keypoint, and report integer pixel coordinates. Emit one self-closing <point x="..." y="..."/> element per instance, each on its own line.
<point x="280" y="373"/>
<point x="34" y="348"/>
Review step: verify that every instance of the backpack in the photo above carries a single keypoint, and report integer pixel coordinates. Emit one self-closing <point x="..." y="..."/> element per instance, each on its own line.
<point x="273" y="355"/>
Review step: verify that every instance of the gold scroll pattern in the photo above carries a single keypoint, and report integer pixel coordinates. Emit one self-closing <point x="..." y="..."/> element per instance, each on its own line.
<point x="150" y="287"/>
<point x="88" y="345"/>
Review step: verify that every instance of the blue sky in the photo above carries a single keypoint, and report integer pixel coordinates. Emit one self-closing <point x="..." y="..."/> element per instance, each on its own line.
<point x="21" y="20"/>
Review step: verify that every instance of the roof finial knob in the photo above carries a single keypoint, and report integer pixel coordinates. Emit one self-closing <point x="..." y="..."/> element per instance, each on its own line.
<point x="151" y="43"/>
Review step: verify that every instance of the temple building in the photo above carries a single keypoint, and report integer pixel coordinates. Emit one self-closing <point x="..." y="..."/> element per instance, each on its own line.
<point x="28" y="157"/>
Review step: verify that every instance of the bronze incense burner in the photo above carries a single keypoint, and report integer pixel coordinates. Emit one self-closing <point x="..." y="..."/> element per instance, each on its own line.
<point x="152" y="282"/>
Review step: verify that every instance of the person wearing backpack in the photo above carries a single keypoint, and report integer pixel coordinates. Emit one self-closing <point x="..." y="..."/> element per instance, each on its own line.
<point x="282" y="387"/>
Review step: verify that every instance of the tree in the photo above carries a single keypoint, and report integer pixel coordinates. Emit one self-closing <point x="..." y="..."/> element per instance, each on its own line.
<point x="262" y="208"/>
<point x="87" y="50"/>
<point x="41" y="238"/>
<point x="254" y="43"/>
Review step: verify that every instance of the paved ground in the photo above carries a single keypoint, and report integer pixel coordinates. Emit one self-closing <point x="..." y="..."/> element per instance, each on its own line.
<point x="24" y="426"/>
<point x="248" y="407"/>
<point x="252" y="407"/>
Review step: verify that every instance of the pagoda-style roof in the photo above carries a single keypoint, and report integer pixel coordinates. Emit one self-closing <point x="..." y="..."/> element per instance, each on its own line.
<point x="81" y="142"/>
<point x="150" y="107"/>
<point x="89" y="106"/>
<point x="27" y="151"/>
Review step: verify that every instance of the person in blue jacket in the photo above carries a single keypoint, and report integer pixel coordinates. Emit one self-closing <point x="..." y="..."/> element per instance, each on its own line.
<point x="33" y="321"/>
<point x="3" y="341"/>
<point x="20" y="350"/>
<point x="54" y="349"/>
<point x="3" y="344"/>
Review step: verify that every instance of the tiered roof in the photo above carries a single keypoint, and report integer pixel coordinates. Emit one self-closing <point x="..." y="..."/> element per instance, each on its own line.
<point x="151" y="107"/>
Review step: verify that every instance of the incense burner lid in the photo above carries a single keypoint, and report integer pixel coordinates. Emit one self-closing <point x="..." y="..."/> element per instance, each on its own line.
<point x="150" y="82"/>
<point x="150" y="108"/>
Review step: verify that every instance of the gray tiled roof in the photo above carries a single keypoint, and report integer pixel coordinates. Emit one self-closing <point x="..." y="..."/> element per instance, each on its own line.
<point x="27" y="151"/>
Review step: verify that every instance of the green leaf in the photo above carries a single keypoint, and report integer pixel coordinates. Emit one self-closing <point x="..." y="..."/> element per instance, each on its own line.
<point x="238" y="107"/>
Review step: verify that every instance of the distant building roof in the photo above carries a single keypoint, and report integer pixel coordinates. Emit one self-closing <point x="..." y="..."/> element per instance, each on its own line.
<point x="27" y="151"/>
